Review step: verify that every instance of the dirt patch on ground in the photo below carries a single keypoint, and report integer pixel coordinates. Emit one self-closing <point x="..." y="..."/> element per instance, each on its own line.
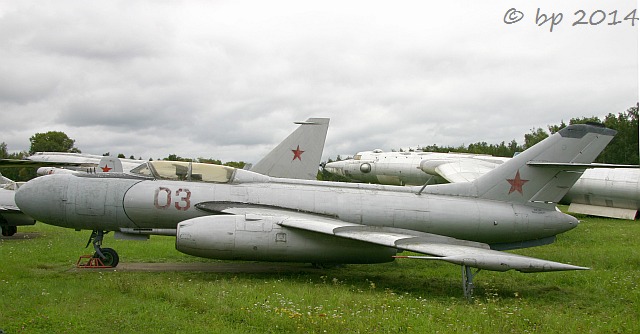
<point x="21" y="236"/>
<point x="249" y="267"/>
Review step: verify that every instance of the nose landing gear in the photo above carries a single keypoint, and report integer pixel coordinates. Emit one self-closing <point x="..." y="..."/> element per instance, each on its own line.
<point x="102" y="258"/>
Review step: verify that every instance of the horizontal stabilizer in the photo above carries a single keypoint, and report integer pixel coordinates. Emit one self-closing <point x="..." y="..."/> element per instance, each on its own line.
<point x="603" y="211"/>
<point x="577" y="166"/>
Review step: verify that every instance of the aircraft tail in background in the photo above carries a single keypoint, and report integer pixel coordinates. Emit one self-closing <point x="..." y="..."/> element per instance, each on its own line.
<point x="109" y="164"/>
<point x="299" y="155"/>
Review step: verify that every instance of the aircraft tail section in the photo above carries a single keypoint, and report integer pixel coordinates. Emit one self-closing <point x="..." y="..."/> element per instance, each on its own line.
<point x="4" y="180"/>
<point x="543" y="173"/>
<point x="299" y="155"/>
<point x="109" y="164"/>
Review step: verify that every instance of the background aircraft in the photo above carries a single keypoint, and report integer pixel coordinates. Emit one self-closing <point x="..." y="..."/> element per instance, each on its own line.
<point x="607" y="192"/>
<point x="298" y="156"/>
<point x="10" y="215"/>
<point x="414" y="168"/>
<point x="226" y="213"/>
<point x="309" y="139"/>
<point x="78" y="162"/>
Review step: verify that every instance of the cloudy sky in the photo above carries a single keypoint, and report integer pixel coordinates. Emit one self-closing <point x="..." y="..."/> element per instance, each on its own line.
<point x="227" y="79"/>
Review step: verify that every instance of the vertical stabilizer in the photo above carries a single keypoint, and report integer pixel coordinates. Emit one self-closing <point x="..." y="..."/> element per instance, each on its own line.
<point x="543" y="173"/>
<point x="109" y="164"/>
<point x="299" y="155"/>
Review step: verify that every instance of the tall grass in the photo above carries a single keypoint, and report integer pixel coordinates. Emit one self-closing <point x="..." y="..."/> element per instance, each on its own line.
<point x="42" y="292"/>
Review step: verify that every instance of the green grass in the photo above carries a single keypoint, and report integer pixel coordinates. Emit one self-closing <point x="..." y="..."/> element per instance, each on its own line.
<point x="42" y="292"/>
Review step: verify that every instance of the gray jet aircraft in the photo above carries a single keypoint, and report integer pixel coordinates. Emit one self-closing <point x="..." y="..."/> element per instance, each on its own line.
<point x="414" y="168"/>
<point x="225" y="213"/>
<point x="310" y="138"/>
<point x="10" y="215"/>
<point x="607" y="192"/>
<point x="61" y="162"/>
<point x="303" y="147"/>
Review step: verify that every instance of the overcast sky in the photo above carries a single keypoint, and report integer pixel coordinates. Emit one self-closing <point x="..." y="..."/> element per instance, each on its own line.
<point x="227" y="79"/>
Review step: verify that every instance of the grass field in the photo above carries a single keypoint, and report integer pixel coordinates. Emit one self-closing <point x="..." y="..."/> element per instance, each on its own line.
<point x="42" y="292"/>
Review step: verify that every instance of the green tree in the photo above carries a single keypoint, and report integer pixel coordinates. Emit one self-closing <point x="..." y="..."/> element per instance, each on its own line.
<point x="536" y="136"/>
<point x="4" y="153"/>
<point x="623" y="149"/>
<point x="235" y="164"/>
<point x="173" y="157"/>
<point x="16" y="174"/>
<point x="210" y="161"/>
<point x="52" y="141"/>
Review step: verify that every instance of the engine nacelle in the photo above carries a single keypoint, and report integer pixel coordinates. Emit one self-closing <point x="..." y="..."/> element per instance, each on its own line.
<point x="260" y="238"/>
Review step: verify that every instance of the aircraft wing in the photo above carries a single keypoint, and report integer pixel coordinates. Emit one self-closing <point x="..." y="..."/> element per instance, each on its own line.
<point x="458" y="170"/>
<point x="437" y="247"/>
<point x="31" y="163"/>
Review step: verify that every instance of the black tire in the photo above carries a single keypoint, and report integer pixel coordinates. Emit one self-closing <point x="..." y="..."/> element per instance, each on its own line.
<point x="111" y="258"/>
<point x="8" y="231"/>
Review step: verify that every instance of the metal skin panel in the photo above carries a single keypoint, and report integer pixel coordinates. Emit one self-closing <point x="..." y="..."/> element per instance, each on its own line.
<point x="163" y="204"/>
<point x="57" y="200"/>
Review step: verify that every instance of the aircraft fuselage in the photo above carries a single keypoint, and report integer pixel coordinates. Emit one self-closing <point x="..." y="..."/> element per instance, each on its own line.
<point x="111" y="203"/>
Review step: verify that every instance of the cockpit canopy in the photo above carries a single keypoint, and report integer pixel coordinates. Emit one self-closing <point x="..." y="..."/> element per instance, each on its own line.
<point x="185" y="171"/>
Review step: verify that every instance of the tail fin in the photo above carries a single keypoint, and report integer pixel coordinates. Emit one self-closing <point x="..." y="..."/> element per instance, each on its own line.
<point x="299" y="155"/>
<point x="543" y="173"/>
<point x="109" y="164"/>
<point x="5" y="180"/>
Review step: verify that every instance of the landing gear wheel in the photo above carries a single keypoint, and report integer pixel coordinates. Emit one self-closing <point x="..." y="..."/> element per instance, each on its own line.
<point x="111" y="257"/>
<point x="8" y="231"/>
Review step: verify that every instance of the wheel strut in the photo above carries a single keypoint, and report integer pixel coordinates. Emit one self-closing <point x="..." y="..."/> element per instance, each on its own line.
<point x="467" y="281"/>
<point x="103" y="257"/>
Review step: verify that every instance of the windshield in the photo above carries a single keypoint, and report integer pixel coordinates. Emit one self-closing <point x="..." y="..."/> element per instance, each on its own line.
<point x="185" y="171"/>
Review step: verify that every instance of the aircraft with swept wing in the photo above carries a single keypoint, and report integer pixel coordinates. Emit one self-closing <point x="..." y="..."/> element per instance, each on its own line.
<point x="225" y="213"/>
<point x="608" y="192"/>
<point x="10" y="215"/>
<point x="310" y="136"/>
<point x="413" y="168"/>
<point x="298" y="157"/>
<point x="62" y="162"/>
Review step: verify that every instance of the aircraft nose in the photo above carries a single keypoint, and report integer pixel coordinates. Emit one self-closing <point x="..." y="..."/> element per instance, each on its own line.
<point x="564" y="223"/>
<point x="336" y="167"/>
<point x="43" y="198"/>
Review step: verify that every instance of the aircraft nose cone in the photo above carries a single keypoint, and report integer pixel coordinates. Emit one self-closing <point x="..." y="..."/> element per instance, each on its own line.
<point x="565" y="223"/>
<point x="336" y="167"/>
<point x="43" y="198"/>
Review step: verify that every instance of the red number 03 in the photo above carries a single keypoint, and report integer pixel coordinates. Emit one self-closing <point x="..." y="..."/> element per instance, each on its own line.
<point x="162" y="198"/>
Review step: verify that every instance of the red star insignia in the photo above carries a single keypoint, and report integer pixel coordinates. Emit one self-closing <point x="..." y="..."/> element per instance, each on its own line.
<point x="297" y="154"/>
<point x="516" y="183"/>
<point x="106" y="168"/>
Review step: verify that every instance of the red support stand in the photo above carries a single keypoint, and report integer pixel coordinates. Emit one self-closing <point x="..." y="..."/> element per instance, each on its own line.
<point x="93" y="262"/>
